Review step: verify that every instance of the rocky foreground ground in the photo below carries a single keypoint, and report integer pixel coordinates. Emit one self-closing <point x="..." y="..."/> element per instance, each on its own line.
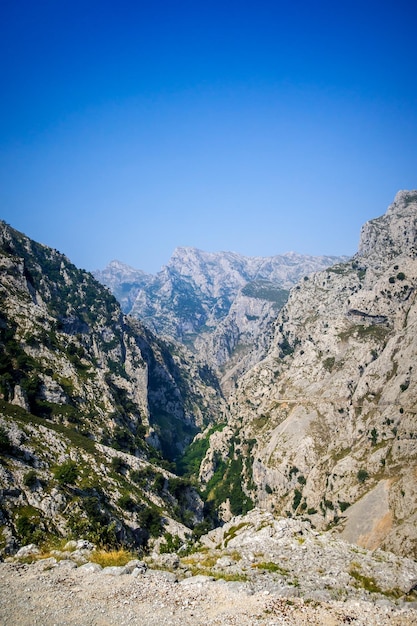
<point x="39" y="594"/>
<point x="255" y="570"/>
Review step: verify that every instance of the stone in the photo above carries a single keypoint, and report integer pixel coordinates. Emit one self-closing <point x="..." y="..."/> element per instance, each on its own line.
<point x="137" y="572"/>
<point x="114" y="571"/>
<point x="135" y="565"/>
<point x="170" y="561"/>
<point x="83" y="544"/>
<point x="200" y="579"/>
<point x="90" y="567"/>
<point x="80" y="556"/>
<point x="225" y="561"/>
<point x="66" y="564"/>
<point x="48" y="563"/>
<point x="28" y="550"/>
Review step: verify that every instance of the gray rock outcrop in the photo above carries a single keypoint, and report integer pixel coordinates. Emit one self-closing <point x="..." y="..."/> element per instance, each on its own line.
<point x="326" y="423"/>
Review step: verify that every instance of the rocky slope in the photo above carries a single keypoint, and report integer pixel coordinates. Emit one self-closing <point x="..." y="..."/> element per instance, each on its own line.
<point x="257" y="569"/>
<point x="91" y="405"/>
<point x="62" y="595"/>
<point x="218" y="304"/>
<point x="325" y="426"/>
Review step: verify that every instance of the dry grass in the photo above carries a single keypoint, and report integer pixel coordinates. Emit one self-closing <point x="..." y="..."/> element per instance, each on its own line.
<point x="209" y="560"/>
<point x="109" y="558"/>
<point x="201" y="560"/>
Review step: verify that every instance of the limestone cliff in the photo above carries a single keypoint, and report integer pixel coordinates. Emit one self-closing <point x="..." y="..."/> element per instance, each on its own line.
<point x="80" y="385"/>
<point x="325" y="426"/>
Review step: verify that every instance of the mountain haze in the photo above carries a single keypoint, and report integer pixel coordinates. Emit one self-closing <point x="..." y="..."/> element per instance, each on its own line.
<point x="218" y="304"/>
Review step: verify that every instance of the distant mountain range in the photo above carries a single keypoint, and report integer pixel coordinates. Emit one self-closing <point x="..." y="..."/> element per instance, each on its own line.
<point x="218" y="304"/>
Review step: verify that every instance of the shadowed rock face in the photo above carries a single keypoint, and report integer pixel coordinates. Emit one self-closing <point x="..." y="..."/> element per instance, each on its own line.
<point x="67" y="343"/>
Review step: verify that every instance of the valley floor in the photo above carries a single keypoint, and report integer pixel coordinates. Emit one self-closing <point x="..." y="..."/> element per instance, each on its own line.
<point x="46" y="595"/>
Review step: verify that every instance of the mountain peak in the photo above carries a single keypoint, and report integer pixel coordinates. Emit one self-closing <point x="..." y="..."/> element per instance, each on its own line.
<point x="403" y="198"/>
<point x="115" y="264"/>
<point x="394" y="233"/>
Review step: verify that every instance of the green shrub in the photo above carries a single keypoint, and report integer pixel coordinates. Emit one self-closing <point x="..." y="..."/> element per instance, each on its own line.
<point x="226" y="483"/>
<point x="366" y="582"/>
<point x="122" y="439"/>
<point x="137" y="477"/>
<point x="90" y="519"/>
<point x="374" y="436"/>
<point x="362" y="475"/>
<point x="178" y="487"/>
<point x="286" y="347"/>
<point x="159" y="483"/>
<point x="297" y="499"/>
<point x="29" y="526"/>
<point x="189" y="463"/>
<point x="30" y="479"/>
<point x="5" y="444"/>
<point x="171" y="543"/>
<point x="270" y="566"/>
<point x="143" y="476"/>
<point x="67" y="473"/>
<point x="118" y="465"/>
<point x="127" y="503"/>
<point x="329" y="363"/>
<point x="150" y="519"/>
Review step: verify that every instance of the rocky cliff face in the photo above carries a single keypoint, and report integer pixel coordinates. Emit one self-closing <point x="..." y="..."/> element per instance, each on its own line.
<point x="70" y="353"/>
<point x="325" y="426"/>
<point x="80" y="381"/>
<point x="219" y="304"/>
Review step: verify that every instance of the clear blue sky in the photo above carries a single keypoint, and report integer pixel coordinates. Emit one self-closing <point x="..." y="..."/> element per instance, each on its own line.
<point x="130" y="128"/>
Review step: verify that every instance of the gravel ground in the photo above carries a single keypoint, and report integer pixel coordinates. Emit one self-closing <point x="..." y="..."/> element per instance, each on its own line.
<point x="62" y="595"/>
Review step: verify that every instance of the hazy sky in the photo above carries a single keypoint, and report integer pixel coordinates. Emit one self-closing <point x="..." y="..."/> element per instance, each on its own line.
<point x="130" y="128"/>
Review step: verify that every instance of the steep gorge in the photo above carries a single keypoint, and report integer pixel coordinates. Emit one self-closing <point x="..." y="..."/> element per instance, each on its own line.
<point x="220" y="305"/>
<point x="319" y="422"/>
